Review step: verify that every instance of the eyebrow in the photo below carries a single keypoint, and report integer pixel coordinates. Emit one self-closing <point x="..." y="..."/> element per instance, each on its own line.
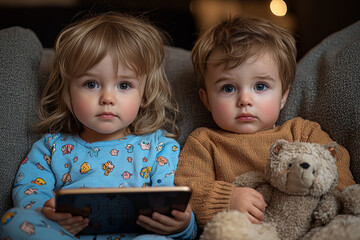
<point x="257" y="77"/>
<point x="91" y="74"/>
<point x="264" y="77"/>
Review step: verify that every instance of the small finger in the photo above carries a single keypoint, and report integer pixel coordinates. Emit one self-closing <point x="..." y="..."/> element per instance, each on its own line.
<point x="74" y="223"/>
<point x="71" y="221"/>
<point x="150" y="226"/>
<point x="56" y="216"/>
<point x="253" y="219"/>
<point x="260" y="205"/>
<point x="76" y="229"/>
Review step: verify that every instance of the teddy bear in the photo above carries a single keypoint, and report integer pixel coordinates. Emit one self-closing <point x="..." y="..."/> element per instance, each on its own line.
<point x="346" y="224"/>
<point x="299" y="188"/>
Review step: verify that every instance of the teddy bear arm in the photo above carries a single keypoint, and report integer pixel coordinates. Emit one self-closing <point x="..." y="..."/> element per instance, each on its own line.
<point x="250" y="179"/>
<point x="350" y="197"/>
<point x="328" y="207"/>
<point x="266" y="190"/>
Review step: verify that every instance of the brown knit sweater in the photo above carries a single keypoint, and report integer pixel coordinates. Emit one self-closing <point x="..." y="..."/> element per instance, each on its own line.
<point x="211" y="159"/>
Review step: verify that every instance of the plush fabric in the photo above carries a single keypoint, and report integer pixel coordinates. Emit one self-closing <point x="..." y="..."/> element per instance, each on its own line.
<point x="295" y="198"/>
<point x="326" y="90"/>
<point x="20" y="55"/>
<point x="333" y="101"/>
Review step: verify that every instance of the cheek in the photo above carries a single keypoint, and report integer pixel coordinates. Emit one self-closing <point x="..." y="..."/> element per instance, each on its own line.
<point x="81" y="108"/>
<point x="130" y="107"/>
<point x="270" y="108"/>
<point x="221" y="110"/>
<point x="81" y="104"/>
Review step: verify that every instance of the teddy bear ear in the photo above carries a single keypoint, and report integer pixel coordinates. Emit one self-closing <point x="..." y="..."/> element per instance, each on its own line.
<point x="276" y="147"/>
<point x="332" y="148"/>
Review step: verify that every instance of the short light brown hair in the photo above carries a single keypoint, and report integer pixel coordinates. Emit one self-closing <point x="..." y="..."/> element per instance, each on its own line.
<point x="237" y="39"/>
<point x="128" y="39"/>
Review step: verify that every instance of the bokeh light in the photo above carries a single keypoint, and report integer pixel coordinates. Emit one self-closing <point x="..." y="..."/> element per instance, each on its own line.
<point x="278" y="7"/>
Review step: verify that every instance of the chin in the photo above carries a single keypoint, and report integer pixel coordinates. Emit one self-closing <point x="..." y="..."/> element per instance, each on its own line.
<point x="241" y="131"/>
<point x="246" y="132"/>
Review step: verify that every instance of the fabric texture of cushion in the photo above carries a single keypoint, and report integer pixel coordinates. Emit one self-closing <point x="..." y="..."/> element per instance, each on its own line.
<point x="326" y="90"/>
<point x="20" y="55"/>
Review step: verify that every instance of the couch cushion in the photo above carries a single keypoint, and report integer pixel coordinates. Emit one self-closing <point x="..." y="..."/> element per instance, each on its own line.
<point x="326" y="90"/>
<point x="20" y="54"/>
<point x="179" y="70"/>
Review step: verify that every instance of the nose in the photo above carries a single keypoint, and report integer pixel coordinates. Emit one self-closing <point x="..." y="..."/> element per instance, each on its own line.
<point x="245" y="99"/>
<point x="107" y="98"/>
<point x="305" y="165"/>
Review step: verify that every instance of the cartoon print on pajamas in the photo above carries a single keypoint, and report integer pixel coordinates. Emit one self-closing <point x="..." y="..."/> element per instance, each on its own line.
<point x="161" y="161"/>
<point x="116" y="237"/>
<point x="20" y="177"/>
<point x="53" y="149"/>
<point x="39" y="181"/>
<point x="145" y="172"/>
<point x="94" y="152"/>
<point x="114" y="152"/>
<point x="25" y="161"/>
<point x="28" y="228"/>
<point x="170" y="174"/>
<point x="47" y="159"/>
<point x="139" y="162"/>
<point x="129" y="148"/>
<point x="30" y="205"/>
<point x="85" y="168"/>
<point x="145" y="145"/>
<point x="8" y="217"/>
<point x="160" y="147"/>
<point x="126" y="175"/>
<point x="108" y="167"/>
<point x="30" y="191"/>
<point x="166" y="175"/>
<point x="48" y="139"/>
<point x="66" y="149"/>
<point x="66" y="178"/>
<point x="38" y="165"/>
<point x="174" y="148"/>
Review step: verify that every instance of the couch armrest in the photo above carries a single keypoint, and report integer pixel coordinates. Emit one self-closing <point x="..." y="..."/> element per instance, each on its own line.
<point x="20" y="54"/>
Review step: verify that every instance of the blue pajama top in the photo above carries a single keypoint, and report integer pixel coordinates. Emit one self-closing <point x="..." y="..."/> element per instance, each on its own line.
<point x="59" y="161"/>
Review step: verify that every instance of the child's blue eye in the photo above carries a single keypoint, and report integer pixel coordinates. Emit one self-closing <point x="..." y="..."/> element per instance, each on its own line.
<point x="228" y="89"/>
<point x="124" y="86"/>
<point x="260" y="87"/>
<point x="91" y="85"/>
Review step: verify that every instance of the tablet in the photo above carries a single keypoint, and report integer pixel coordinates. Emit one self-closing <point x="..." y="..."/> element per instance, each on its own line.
<point x="115" y="210"/>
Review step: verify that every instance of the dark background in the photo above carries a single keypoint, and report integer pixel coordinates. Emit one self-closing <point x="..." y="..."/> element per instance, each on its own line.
<point x="313" y="20"/>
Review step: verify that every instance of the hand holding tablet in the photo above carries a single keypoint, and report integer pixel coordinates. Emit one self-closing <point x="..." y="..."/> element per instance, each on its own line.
<point x="115" y="210"/>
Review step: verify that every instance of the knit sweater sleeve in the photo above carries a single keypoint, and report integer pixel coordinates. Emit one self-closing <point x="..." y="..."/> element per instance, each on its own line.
<point x="196" y="169"/>
<point x="312" y="132"/>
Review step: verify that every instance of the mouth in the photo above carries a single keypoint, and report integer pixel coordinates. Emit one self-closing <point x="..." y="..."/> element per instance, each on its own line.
<point x="245" y="117"/>
<point x="106" y="115"/>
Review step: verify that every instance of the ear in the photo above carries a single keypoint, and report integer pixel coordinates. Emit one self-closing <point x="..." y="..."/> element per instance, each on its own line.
<point x="143" y="102"/>
<point x="332" y="148"/>
<point x="204" y="98"/>
<point x="276" y="147"/>
<point x="284" y="97"/>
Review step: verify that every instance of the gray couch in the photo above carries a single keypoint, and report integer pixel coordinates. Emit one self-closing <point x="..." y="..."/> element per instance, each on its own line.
<point x="326" y="90"/>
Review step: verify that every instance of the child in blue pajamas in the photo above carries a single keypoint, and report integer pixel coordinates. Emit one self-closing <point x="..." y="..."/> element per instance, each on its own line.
<point x="108" y="119"/>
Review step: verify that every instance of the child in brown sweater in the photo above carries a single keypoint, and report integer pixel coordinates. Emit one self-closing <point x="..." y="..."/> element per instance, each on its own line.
<point x="245" y="68"/>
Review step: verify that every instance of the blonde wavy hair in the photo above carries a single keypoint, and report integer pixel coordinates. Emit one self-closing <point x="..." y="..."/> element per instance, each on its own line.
<point x="237" y="39"/>
<point x="82" y="45"/>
